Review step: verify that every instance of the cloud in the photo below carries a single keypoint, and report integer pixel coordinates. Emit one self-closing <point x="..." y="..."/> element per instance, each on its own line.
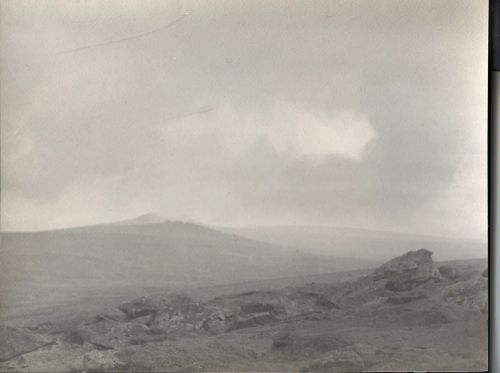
<point x="246" y="113"/>
<point x="288" y="128"/>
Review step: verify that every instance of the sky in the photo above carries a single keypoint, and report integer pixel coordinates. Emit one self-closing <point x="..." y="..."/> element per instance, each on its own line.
<point x="368" y="114"/>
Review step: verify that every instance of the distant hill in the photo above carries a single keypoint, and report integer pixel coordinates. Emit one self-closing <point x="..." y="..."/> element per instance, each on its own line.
<point x="362" y="243"/>
<point x="60" y="266"/>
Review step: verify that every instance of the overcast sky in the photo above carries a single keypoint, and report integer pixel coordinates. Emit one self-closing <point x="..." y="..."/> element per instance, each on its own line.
<point x="350" y="113"/>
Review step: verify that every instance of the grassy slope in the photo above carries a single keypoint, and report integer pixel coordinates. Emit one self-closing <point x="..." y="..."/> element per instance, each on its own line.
<point x="55" y="268"/>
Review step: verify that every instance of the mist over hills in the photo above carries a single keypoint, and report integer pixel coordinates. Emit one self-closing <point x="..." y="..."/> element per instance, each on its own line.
<point x="127" y="257"/>
<point x="371" y="245"/>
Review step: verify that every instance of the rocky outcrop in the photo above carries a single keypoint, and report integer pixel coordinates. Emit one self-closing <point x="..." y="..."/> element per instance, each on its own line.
<point x="407" y="271"/>
<point x="139" y="307"/>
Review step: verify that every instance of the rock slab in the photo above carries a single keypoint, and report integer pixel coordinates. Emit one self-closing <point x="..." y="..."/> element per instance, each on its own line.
<point x="15" y="342"/>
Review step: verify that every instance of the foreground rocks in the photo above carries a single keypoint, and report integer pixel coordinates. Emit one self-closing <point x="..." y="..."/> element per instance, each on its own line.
<point x="176" y="332"/>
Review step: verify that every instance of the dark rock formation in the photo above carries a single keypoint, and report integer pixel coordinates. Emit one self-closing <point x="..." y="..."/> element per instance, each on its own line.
<point x="139" y="307"/>
<point x="407" y="271"/>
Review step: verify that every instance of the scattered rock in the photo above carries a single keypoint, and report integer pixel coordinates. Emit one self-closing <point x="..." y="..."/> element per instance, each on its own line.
<point x="186" y="315"/>
<point x="101" y="361"/>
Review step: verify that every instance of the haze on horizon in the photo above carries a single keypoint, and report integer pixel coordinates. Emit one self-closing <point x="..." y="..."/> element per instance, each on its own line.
<point x="359" y="114"/>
